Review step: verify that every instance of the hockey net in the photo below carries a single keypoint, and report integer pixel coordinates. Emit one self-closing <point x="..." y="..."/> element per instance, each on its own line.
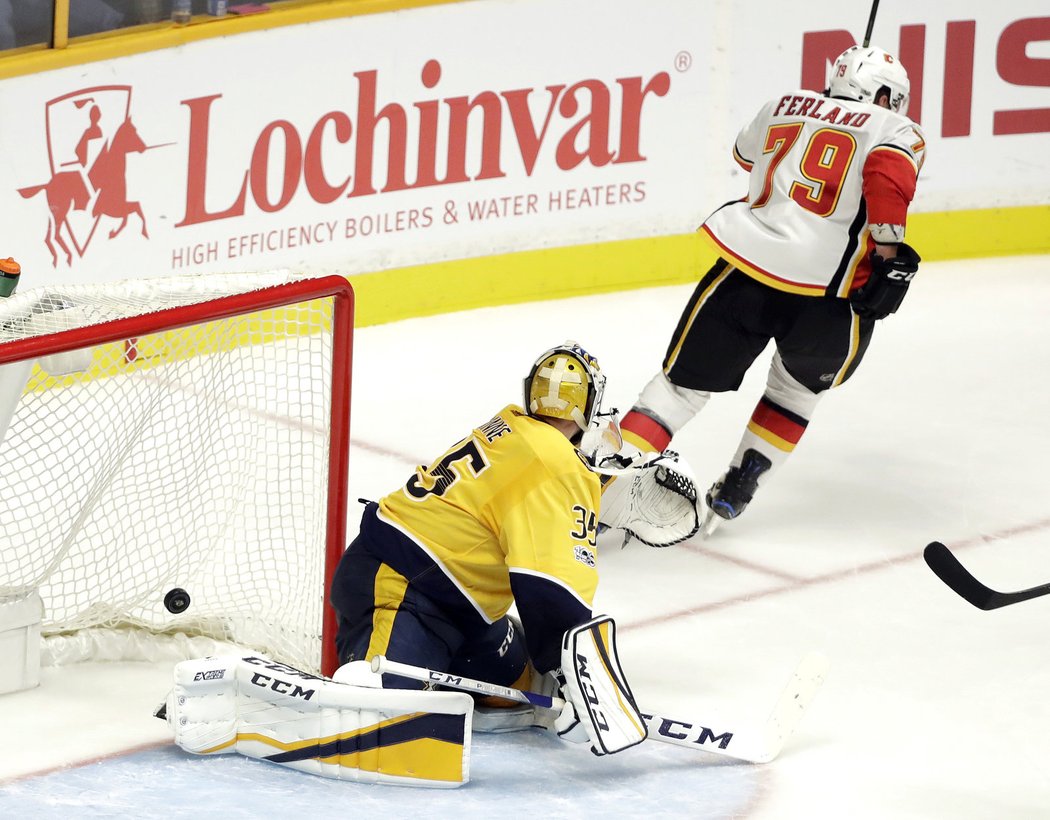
<point x="184" y="433"/>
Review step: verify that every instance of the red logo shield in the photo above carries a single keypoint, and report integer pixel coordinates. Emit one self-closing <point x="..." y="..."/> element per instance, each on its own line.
<point x="89" y="136"/>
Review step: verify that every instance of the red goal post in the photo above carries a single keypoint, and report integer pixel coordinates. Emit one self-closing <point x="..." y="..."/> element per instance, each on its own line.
<point x="185" y="433"/>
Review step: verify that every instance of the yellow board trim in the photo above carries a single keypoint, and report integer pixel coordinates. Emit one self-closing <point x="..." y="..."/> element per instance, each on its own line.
<point x="578" y="270"/>
<point x="980" y="233"/>
<point x="125" y="42"/>
<point x="527" y="276"/>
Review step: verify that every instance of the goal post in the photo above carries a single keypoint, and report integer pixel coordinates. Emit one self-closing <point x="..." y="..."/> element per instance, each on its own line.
<point x="179" y="440"/>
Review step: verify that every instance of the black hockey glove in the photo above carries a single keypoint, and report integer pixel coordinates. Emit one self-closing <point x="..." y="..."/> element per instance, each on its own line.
<point x="884" y="291"/>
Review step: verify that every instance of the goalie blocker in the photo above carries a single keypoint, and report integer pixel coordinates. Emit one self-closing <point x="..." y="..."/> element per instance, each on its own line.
<point x="597" y="690"/>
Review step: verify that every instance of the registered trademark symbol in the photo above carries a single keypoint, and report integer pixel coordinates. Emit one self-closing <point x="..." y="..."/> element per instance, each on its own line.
<point x="683" y="61"/>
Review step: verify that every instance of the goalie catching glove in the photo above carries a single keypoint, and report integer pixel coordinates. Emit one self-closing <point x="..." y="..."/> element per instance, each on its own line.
<point x="888" y="284"/>
<point x="651" y="497"/>
<point x="599" y="705"/>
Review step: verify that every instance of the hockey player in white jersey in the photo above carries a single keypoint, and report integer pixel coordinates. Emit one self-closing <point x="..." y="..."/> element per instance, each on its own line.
<point x="811" y="258"/>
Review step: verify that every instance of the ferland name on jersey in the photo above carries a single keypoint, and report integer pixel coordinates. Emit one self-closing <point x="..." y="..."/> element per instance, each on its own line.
<point x="819" y="108"/>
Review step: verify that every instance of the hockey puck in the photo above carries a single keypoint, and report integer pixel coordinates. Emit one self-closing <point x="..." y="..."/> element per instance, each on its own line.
<point x="177" y="600"/>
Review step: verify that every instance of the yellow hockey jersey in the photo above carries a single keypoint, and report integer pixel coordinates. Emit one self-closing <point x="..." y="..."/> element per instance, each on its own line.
<point x="509" y="515"/>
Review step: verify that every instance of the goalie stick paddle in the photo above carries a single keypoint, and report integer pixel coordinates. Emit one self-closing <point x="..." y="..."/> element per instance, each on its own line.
<point x="948" y="568"/>
<point x="760" y="745"/>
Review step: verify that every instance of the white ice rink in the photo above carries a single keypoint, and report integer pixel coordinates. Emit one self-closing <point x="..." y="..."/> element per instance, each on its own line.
<point x="931" y="709"/>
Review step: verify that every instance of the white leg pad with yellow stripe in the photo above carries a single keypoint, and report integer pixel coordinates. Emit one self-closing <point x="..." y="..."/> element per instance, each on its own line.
<point x="274" y="712"/>
<point x="595" y="683"/>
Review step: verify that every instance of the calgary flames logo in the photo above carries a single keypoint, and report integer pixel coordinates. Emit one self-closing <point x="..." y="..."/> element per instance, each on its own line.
<point x="89" y="137"/>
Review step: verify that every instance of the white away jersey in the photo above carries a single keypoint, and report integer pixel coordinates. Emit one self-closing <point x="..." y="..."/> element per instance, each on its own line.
<point x="821" y="170"/>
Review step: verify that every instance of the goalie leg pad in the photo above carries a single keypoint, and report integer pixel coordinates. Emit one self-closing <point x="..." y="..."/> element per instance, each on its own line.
<point x="595" y="683"/>
<point x="274" y="712"/>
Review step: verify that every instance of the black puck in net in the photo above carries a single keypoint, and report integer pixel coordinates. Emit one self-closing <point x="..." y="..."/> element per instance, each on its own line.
<point x="177" y="600"/>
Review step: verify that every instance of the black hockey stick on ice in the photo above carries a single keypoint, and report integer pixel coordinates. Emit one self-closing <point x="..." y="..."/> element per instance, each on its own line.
<point x="754" y="746"/>
<point x="956" y="576"/>
<point x="871" y="22"/>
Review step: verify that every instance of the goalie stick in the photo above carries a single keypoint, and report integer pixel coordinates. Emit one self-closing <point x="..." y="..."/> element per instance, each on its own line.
<point x="948" y="568"/>
<point x="754" y="745"/>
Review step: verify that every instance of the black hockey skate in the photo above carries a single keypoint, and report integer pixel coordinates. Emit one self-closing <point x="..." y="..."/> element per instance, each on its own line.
<point x="730" y="495"/>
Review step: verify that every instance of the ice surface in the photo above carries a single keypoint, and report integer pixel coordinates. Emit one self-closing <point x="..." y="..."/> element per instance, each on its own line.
<point x="931" y="709"/>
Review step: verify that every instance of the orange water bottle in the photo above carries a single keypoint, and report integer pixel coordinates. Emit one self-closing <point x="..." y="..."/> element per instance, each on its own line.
<point x="10" y="270"/>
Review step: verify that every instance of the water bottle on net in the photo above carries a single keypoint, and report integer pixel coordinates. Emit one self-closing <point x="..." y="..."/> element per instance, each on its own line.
<point x="10" y="270"/>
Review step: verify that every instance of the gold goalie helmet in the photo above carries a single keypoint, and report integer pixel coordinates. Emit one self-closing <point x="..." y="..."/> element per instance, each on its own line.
<point x="565" y="383"/>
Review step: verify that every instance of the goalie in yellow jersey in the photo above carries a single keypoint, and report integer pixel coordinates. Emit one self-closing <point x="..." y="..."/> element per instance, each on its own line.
<point x="507" y="516"/>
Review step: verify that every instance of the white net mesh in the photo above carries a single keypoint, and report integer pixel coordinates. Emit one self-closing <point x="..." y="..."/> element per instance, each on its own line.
<point x="193" y="458"/>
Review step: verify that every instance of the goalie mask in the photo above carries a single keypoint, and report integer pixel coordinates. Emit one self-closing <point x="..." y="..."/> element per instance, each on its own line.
<point x="565" y="383"/>
<point x="860" y="73"/>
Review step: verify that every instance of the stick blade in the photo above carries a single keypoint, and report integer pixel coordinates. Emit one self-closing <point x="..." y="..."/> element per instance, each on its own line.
<point x="948" y="568"/>
<point x="794" y="700"/>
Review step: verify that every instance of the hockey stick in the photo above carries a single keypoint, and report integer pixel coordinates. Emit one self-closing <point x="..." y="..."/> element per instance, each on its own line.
<point x="749" y="744"/>
<point x="871" y="22"/>
<point x="947" y="567"/>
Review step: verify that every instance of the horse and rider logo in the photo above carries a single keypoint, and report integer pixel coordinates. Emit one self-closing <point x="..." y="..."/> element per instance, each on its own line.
<point x="89" y="137"/>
